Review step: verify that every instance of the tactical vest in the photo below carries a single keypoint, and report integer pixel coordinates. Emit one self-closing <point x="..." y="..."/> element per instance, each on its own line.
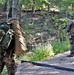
<point x="5" y="35"/>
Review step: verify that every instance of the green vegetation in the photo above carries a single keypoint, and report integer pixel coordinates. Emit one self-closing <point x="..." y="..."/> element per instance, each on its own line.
<point x="46" y="51"/>
<point x="42" y="52"/>
<point x="59" y="47"/>
<point x="42" y="21"/>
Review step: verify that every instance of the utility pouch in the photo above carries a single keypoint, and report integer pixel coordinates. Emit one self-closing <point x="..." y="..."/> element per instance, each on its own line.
<point x="2" y="33"/>
<point x="7" y="39"/>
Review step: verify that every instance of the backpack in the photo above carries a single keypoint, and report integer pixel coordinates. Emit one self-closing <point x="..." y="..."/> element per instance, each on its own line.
<point x="6" y="34"/>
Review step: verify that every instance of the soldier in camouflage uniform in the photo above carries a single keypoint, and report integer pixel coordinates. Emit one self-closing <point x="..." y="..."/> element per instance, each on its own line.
<point x="70" y="29"/>
<point x="6" y="56"/>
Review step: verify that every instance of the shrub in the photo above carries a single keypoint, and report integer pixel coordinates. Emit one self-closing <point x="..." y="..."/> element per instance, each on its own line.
<point x="46" y="51"/>
<point x="59" y="46"/>
<point x="42" y="52"/>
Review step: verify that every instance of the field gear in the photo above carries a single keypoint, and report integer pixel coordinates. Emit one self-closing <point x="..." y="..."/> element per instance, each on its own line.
<point x="4" y="26"/>
<point x="7" y="44"/>
<point x="7" y="39"/>
<point x="12" y="42"/>
<point x="5" y="36"/>
<point x="20" y="44"/>
<point x="3" y="29"/>
<point x="70" y="30"/>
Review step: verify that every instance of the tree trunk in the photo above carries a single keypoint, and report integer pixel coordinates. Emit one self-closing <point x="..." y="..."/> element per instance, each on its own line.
<point x="5" y="5"/>
<point x="20" y="10"/>
<point x="14" y="9"/>
<point x="48" y="8"/>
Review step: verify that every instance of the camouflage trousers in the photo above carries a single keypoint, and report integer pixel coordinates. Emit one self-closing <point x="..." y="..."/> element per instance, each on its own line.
<point x="10" y="64"/>
<point x="71" y="39"/>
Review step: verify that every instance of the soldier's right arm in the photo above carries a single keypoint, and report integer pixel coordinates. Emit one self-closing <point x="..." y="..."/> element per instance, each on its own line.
<point x="68" y="26"/>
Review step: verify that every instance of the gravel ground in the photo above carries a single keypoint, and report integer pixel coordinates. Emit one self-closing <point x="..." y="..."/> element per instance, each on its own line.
<point x="59" y="65"/>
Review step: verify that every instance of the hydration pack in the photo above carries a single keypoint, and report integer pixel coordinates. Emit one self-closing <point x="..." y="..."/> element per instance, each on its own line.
<point x="6" y="34"/>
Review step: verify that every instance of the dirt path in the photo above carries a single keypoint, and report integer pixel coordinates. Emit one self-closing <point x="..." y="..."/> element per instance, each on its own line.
<point x="59" y="65"/>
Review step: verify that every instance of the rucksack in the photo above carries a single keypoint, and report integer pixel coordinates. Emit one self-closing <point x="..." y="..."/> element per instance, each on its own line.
<point x="6" y="34"/>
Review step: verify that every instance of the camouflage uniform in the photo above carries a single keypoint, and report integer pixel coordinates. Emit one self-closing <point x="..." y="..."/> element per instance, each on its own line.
<point x="71" y="39"/>
<point x="70" y="29"/>
<point x="7" y="58"/>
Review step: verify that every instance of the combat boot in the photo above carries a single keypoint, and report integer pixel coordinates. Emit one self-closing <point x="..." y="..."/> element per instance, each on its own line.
<point x="71" y="54"/>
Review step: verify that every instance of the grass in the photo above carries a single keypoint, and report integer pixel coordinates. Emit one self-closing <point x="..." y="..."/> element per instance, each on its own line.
<point x="46" y="51"/>
<point x="42" y="52"/>
<point x="59" y="47"/>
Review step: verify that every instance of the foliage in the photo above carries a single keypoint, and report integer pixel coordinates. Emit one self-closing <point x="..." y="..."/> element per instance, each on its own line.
<point x="35" y="3"/>
<point x="2" y="1"/>
<point x="59" y="24"/>
<point x="39" y="53"/>
<point x="46" y="51"/>
<point x="58" y="21"/>
<point x="59" y="47"/>
<point x="4" y="71"/>
<point x="42" y="52"/>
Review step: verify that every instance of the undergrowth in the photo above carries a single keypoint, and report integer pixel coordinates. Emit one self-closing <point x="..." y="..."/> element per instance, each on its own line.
<point x="46" y="51"/>
<point x="59" y="47"/>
